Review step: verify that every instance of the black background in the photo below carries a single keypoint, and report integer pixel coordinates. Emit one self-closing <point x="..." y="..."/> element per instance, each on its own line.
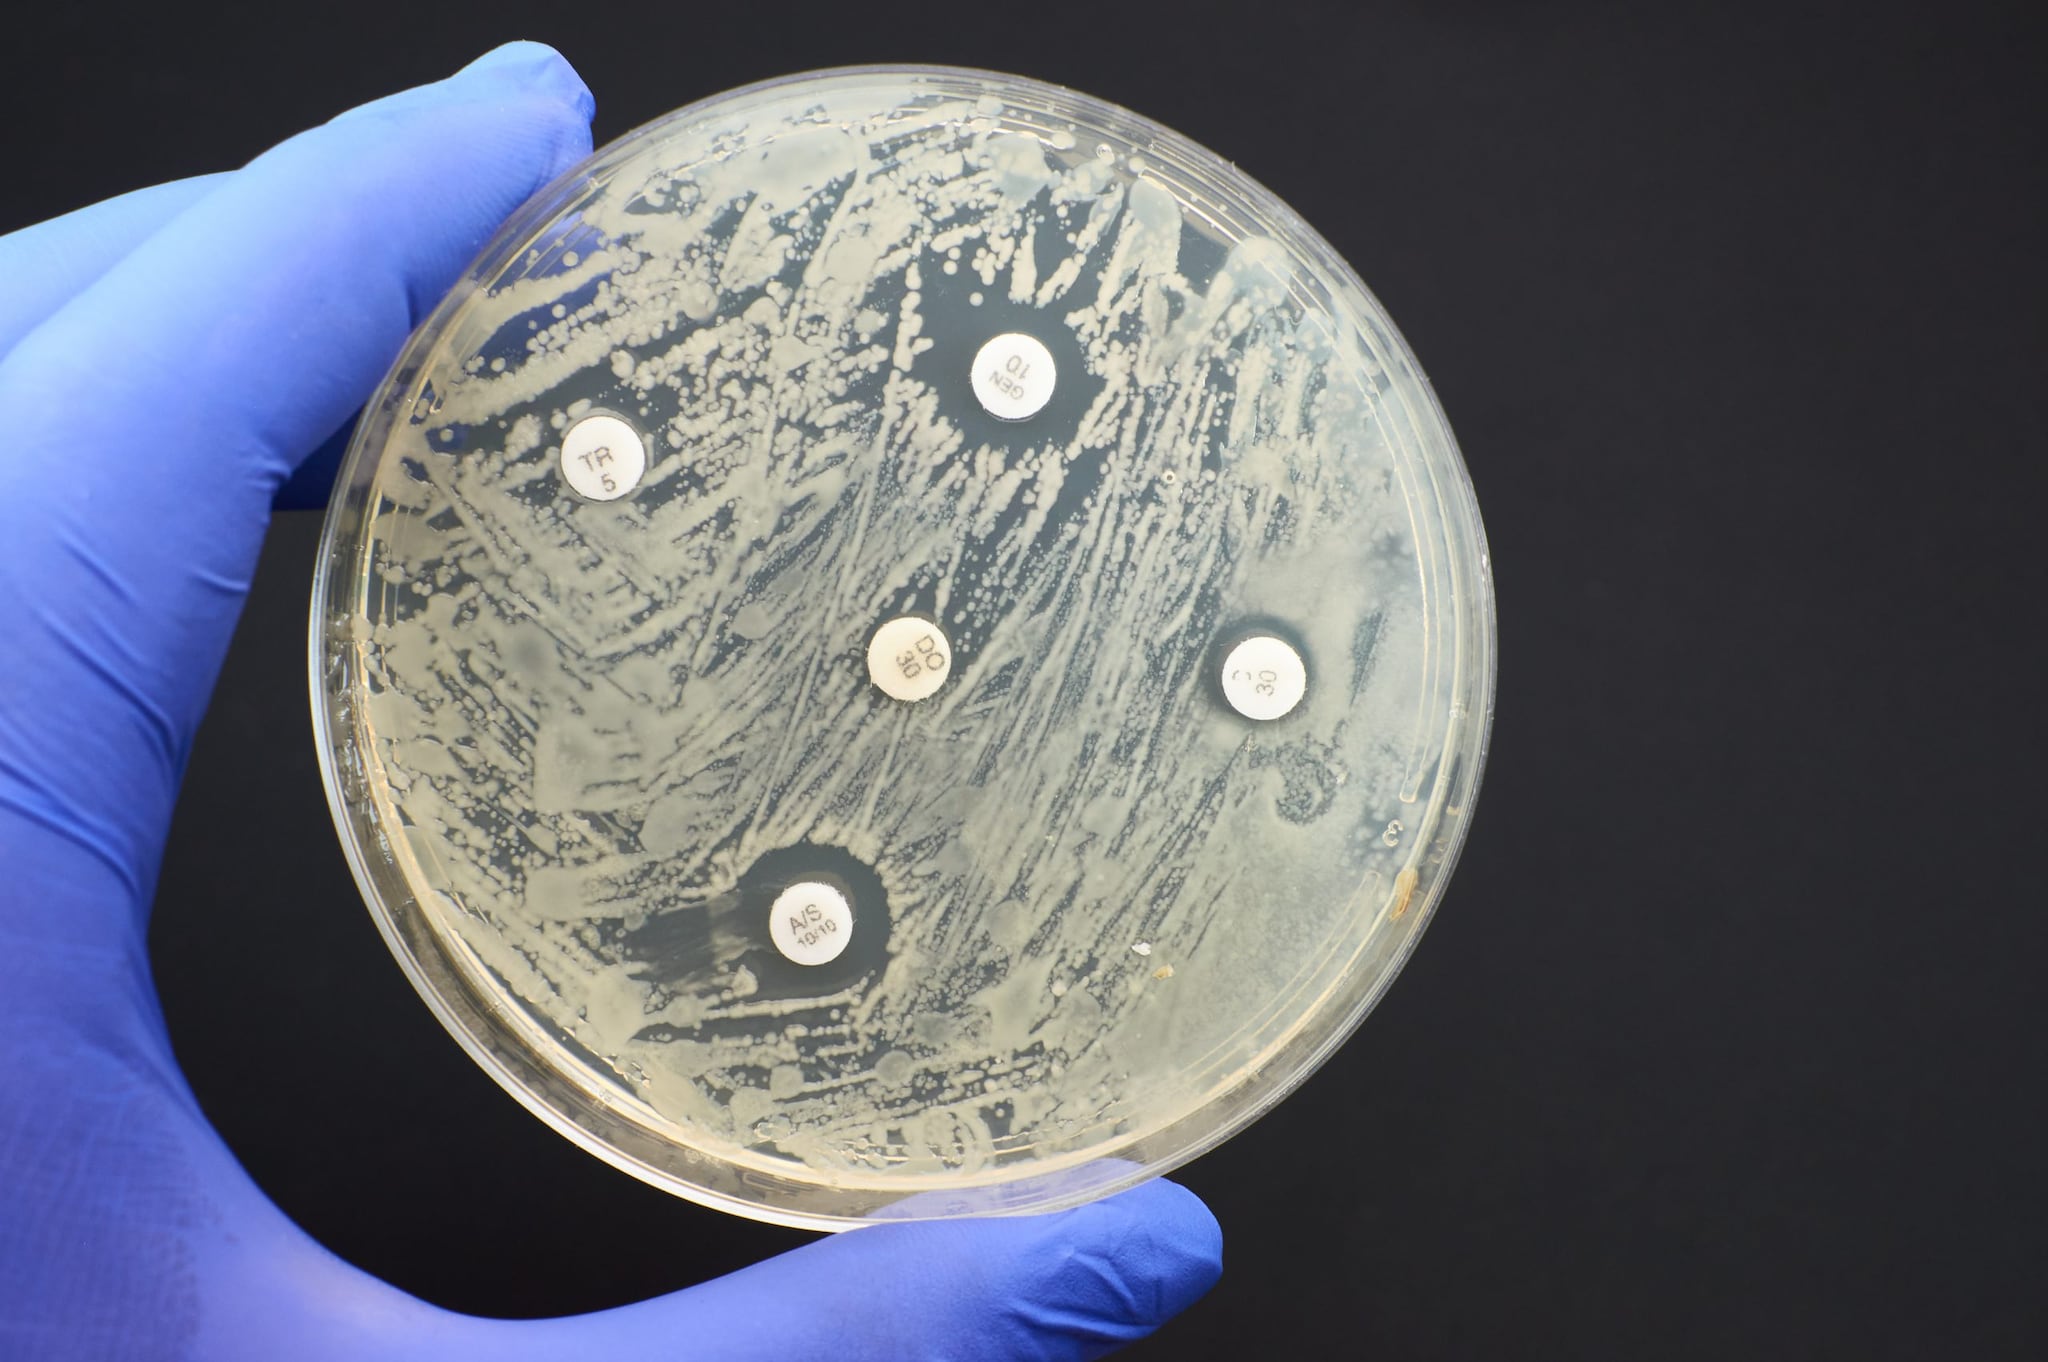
<point x="1725" y="1041"/>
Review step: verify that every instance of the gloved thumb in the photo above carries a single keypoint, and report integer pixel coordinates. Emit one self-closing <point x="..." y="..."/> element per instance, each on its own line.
<point x="1062" y="1287"/>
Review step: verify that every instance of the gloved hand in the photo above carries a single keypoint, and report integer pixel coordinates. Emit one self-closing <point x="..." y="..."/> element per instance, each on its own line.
<point x="169" y="361"/>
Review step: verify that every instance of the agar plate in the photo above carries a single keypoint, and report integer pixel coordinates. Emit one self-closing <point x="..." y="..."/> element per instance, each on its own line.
<point x="906" y="643"/>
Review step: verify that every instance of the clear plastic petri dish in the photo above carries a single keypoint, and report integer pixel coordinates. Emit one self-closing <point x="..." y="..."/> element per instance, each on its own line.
<point x="906" y="643"/>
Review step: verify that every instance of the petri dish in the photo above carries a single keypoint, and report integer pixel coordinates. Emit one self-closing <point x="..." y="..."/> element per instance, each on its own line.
<point x="907" y="642"/>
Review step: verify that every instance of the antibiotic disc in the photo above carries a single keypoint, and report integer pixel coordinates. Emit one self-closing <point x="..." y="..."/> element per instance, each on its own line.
<point x="907" y="643"/>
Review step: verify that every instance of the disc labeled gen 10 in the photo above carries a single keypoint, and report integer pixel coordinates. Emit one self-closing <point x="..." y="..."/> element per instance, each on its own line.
<point x="907" y="643"/>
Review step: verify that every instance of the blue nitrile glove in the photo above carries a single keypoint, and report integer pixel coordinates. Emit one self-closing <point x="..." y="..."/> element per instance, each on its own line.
<point x="168" y="361"/>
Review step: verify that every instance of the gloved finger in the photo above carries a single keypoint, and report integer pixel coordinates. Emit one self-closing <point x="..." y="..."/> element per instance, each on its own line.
<point x="160" y="409"/>
<point x="1061" y="1287"/>
<point x="312" y="482"/>
<point x="47" y="263"/>
<point x="259" y="320"/>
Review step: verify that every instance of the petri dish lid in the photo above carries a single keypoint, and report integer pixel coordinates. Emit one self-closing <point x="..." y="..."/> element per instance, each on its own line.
<point x="906" y="643"/>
